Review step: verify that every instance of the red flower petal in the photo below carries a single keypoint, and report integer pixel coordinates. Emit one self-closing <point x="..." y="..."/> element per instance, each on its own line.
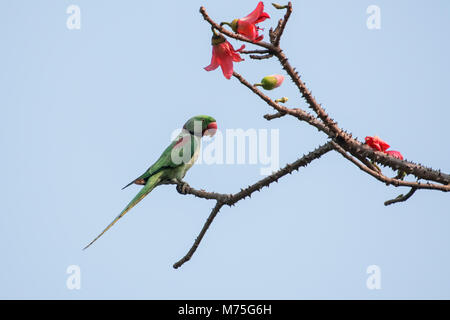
<point x="256" y="15"/>
<point x="214" y="63"/>
<point x="376" y="143"/>
<point x="247" y="29"/>
<point x="241" y="48"/>
<point x="395" y="154"/>
<point x="227" y="67"/>
<point x="384" y="146"/>
<point x="263" y="17"/>
<point x="235" y="54"/>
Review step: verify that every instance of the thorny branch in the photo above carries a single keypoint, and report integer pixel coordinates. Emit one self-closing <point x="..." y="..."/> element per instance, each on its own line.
<point x="324" y="122"/>
<point x="341" y="141"/>
<point x="389" y="181"/>
<point x="230" y="200"/>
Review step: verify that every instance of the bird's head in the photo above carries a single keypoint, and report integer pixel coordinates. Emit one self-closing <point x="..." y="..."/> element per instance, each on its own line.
<point x="201" y="125"/>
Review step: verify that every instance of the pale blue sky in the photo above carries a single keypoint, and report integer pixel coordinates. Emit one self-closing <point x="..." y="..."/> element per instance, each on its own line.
<point x="85" y="111"/>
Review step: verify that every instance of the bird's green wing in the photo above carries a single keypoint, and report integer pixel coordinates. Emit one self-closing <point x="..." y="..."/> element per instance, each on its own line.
<point x="166" y="160"/>
<point x="152" y="182"/>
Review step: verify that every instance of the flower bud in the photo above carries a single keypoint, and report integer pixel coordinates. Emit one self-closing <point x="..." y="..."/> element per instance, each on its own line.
<point x="271" y="82"/>
<point x="217" y="39"/>
<point x="279" y="6"/>
<point x="282" y="100"/>
<point x="234" y="25"/>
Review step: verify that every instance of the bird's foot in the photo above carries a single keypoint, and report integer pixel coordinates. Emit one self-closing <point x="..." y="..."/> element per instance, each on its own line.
<point x="182" y="187"/>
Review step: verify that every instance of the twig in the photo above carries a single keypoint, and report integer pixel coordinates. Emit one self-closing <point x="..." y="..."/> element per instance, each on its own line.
<point x="274" y="116"/>
<point x="258" y="54"/>
<point x="194" y="247"/>
<point x="298" y="113"/>
<point x="261" y="57"/>
<point x="401" y="197"/>
<point x="255" y="51"/>
<point x="281" y="25"/>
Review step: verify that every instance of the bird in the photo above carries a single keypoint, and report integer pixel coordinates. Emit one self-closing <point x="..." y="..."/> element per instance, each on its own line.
<point x="173" y="163"/>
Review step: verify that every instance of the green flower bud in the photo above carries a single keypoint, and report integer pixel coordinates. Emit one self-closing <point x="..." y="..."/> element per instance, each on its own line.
<point x="234" y="24"/>
<point x="217" y="39"/>
<point x="279" y="6"/>
<point x="271" y="82"/>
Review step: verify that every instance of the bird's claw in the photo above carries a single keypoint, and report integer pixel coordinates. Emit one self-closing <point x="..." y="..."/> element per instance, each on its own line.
<point x="182" y="187"/>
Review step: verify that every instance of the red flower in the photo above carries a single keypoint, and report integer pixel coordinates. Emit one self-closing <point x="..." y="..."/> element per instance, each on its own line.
<point x="223" y="55"/>
<point x="395" y="154"/>
<point x="377" y="144"/>
<point x="247" y="26"/>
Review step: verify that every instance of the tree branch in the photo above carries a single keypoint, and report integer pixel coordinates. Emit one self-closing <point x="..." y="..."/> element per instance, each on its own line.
<point x="341" y="141"/>
<point x="230" y="200"/>
<point x="390" y="181"/>
<point x="328" y="125"/>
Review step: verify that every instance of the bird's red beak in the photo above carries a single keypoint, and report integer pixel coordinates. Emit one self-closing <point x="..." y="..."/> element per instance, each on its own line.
<point x="211" y="129"/>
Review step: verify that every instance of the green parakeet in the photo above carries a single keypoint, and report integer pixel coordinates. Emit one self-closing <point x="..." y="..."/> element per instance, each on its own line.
<point x="174" y="162"/>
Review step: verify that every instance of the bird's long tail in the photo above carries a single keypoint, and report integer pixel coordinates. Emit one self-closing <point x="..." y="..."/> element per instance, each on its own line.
<point x="152" y="182"/>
